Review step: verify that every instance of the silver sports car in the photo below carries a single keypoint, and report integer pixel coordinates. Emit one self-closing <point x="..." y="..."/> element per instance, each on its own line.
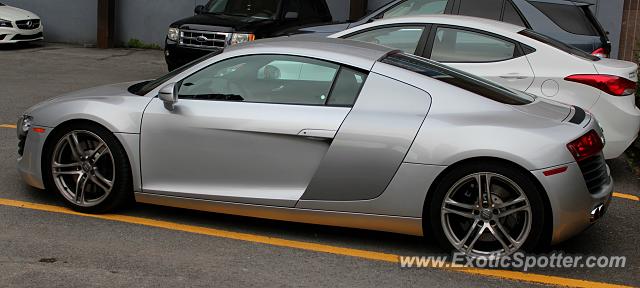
<point x="332" y="132"/>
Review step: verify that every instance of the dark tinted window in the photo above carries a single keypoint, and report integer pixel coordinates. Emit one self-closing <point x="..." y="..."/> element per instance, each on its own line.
<point x="558" y="45"/>
<point x="246" y="8"/>
<point x="459" y="79"/>
<point x="511" y="15"/>
<point x="571" y="18"/>
<point x="489" y="9"/>
<point x="347" y="87"/>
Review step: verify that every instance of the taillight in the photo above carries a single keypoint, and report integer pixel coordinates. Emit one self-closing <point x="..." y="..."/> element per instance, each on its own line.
<point x="610" y="84"/>
<point x="600" y="52"/>
<point x="586" y="146"/>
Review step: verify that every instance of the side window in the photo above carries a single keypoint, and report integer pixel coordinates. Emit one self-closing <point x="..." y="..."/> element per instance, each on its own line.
<point x="405" y="38"/>
<point x="489" y="9"/>
<point x="511" y="15"/>
<point x="347" y="87"/>
<point x="416" y="7"/>
<point x="263" y="79"/>
<point x="571" y="18"/>
<point x="455" y="45"/>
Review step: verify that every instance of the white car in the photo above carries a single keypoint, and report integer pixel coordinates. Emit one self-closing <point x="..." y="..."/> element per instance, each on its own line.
<point x="522" y="59"/>
<point x="17" y="25"/>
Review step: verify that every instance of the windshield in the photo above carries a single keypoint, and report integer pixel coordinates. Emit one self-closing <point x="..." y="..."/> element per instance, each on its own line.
<point x="264" y="9"/>
<point x="460" y="79"/>
<point x="558" y="45"/>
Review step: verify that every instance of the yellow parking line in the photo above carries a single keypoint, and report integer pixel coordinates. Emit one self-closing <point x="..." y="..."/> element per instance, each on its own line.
<point x="626" y="196"/>
<point x="315" y="247"/>
<point x="9" y="126"/>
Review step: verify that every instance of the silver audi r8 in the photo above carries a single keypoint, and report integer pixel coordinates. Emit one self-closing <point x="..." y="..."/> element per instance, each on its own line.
<point x="332" y="132"/>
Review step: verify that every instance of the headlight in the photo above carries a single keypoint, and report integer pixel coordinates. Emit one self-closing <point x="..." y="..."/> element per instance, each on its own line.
<point x="5" y="23"/>
<point x="173" y="34"/>
<point x="23" y="126"/>
<point x="238" y="38"/>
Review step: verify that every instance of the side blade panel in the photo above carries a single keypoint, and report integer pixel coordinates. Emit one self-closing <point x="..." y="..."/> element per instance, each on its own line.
<point x="372" y="142"/>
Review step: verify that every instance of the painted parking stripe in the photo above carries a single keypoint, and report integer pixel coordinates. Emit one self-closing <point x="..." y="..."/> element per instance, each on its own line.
<point x="308" y="246"/>
<point x="8" y="126"/>
<point x="626" y="196"/>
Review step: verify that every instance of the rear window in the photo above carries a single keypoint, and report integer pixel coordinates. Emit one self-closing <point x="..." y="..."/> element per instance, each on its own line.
<point x="460" y="79"/>
<point x="558" y="45"/>
<point x="571" y="18"/>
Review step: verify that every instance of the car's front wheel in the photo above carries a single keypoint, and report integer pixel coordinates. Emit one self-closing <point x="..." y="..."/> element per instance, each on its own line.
<point x="88" y="166"/>
<point x="487" y="209"/>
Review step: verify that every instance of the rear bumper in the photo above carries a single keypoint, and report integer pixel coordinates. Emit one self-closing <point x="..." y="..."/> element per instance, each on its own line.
<point x="573" y="207"/>
<point x="15" y="35"/>
<point x="620" y="119"/>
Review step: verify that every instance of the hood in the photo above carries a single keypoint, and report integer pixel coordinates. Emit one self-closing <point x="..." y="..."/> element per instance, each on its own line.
<point x="222" y="23"/>
<point x="545" y="108"/>
<point x="14" y="14"/>
<point x="105" y="91"/>
<point x="624" y="69"/>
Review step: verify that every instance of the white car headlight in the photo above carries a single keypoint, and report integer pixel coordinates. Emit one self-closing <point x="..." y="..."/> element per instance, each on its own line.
<point x="238" y="38"/>
<point x="5" y="23"/>
<point x="173" y="34"/>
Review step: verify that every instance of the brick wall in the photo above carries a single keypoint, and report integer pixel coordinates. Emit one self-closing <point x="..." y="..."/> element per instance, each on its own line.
<point x="630" y="34"/>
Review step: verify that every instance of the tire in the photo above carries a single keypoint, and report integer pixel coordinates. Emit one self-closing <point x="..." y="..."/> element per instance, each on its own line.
<point x="93" y="175"/>
<point x="461" y="224"/>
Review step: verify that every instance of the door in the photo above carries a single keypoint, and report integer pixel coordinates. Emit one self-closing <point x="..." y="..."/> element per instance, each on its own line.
<point x="250" y="129"/>
<point x="481" y="53"/>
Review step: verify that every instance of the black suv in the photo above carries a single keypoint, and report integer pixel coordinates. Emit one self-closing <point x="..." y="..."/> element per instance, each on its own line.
<point x="227" y="22"/>
<point x="568" y="21"/>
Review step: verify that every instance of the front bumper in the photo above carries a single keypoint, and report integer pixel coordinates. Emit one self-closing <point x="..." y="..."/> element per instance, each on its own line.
<point x="29" y="163"/>
<point x="15" y="35"/>
<point x="177" y="56"/>
<point x="620" y="119"/>
<point x="573" y="207"/>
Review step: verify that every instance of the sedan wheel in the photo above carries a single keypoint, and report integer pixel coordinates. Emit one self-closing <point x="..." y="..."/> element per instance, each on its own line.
<point x="487" y="210"/>
<point x="89" y="168"/>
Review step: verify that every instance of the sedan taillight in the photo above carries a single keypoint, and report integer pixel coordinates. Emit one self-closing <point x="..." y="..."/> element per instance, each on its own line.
<point x="610" y="84"/>
<point x="600" y="52"/>
<point x="588" y="145"/>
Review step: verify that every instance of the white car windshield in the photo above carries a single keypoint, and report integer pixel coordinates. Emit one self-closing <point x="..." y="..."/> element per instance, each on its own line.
<point x="266" y="9"/>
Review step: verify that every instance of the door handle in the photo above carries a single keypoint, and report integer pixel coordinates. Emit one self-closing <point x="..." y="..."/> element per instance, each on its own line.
<point x="317" y="134"/>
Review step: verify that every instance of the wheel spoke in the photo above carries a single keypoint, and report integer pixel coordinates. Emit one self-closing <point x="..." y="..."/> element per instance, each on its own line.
<point x="81" y="184"/>
<point x="74" y="146"/>
<point x="99" y="151"/>
<point x="512" y="211"/>
<point x="457" y="212"/>
<point x="499" y="238"/>
<point x="469" y="233"/>
<point x="484" y="189"/>
<point x="475" y="239"/>
<point x="101" y="181"/>
<point x="512" y="202"/>
<point x="66" y="169"/>
<point x="506" y="234"/>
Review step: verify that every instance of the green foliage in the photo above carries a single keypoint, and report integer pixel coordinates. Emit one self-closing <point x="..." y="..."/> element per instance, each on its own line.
<point x="137" y="43"/>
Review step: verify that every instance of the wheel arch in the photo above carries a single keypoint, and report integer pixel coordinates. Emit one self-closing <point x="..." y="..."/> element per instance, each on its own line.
<point x="128" y="149"/>
<point x="548" y="226"/>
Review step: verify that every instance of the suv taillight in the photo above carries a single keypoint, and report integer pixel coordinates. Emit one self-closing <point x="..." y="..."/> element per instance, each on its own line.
<point x="588" y="145"/>
<point x="600" y="52"/>
<point x="610" y="84"/>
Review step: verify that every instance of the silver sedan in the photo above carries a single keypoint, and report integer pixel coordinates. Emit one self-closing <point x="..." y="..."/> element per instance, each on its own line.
<point x="331" y="132"/>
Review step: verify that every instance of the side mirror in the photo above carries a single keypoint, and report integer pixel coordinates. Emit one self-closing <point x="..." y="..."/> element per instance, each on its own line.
<point x="291" y="16"/>
<point x="169" y="96"/>
<point x="199" y="9"/>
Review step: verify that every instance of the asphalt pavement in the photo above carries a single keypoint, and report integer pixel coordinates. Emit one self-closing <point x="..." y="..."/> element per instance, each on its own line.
<point x="44" y="244"/>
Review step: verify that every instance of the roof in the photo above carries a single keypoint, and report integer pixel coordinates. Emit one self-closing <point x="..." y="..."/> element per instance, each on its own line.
<point x="355" y="53"/>
<point x="464" y="21"/>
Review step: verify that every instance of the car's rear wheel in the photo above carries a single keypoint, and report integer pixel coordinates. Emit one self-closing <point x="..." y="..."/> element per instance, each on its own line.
<point x="487" y="209"/>
<point x="88" y="167"/>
